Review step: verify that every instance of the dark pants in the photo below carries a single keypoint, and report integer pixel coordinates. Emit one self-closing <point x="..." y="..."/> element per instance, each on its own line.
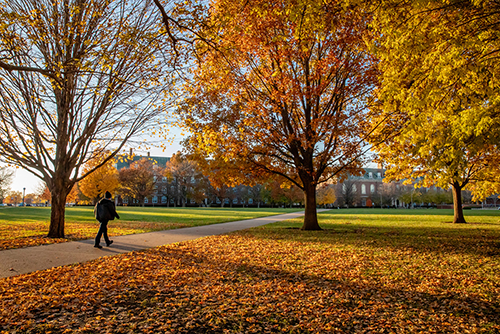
<point x="103" y="230"/>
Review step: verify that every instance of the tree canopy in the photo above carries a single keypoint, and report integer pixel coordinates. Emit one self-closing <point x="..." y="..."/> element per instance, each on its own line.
<point x="439" y="96"/>
<point x="282" y="86"/>
<point x="103" y="179"/>
<point x="138" y="181"/>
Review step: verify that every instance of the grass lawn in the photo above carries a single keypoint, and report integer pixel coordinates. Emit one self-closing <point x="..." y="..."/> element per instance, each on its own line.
<point x="28" y="226"/>
<point x="368" y="271"/>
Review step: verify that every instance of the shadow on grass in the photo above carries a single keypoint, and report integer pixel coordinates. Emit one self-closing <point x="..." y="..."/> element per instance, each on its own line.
<point x="412" y="232"/>
<point x="482" y="243"/>
<point x="413" y="212"/>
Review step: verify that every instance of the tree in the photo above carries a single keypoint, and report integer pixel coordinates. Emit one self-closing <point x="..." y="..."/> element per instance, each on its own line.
<point x="437" y="197"/>
<point x="233" y="194"/>
<point x="104" y="178"/>
<point x="74" y="194"/>
<point x="200" y="189"/>
<point x="326" y="195"/>
<point x="257" y="194"/>
<point x="348" y="193"/>
<point x="439" y="95"/>
<point x="77" y="78"/>
<point x="14" y="197"/>
<point x="384" y="195"/>
<point x="167" y="188"/>
<point x="185" y="173"/>
<point x="43" y="193"/>
<point x="411" y="197"/>
<point x="219" y="192"/>
<point x="138" y="181"/>
<point x="6" y="176"/>
<point x="293" y="194"/>
<point x="279" y="191"/>
<point x="282" y="85"/>
<point x="253" y="193"/>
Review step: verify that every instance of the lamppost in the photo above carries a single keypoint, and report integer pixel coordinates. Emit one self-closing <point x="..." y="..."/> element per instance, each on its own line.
<point x="24" y="192"/>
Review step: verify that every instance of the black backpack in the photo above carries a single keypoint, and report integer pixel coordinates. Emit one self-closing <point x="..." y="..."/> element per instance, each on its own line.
<point x="102" y="212"/>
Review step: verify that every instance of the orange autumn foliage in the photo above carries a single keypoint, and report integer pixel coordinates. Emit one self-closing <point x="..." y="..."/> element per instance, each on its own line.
<point x="284" y="89"/>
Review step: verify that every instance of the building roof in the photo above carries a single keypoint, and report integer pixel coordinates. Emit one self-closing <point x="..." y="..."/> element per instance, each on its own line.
<point x="125" y="161"/>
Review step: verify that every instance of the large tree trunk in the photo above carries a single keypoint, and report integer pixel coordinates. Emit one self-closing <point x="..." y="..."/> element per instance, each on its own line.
<point x="310" y="215"/>
<point x="58" y="207"/>
<point x="458" y="212"/>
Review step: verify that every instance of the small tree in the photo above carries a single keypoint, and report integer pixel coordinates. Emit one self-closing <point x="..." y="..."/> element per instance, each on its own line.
<point x="326" y="195"/>
<point x="104" y="178"/>
<point x="348" y="193"/>
<point x="185" y="173"/>
<point x="137" y="181"/>
<point x="43" y="193"/>
<point x="14" y="197"/>
<point x="6" y="177"/>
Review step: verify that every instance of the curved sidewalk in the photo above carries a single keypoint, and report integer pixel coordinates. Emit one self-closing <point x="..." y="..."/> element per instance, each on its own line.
<point x="25" y="260"/>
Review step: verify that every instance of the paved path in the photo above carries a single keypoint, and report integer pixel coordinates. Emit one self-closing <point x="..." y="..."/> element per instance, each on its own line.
<point x="25" y="260"/>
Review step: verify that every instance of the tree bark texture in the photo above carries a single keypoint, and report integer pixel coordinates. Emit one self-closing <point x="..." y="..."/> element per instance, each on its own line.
<point x="58" y="207"/>
<point x="458" y="212"/>
<point x="310" y="215"/>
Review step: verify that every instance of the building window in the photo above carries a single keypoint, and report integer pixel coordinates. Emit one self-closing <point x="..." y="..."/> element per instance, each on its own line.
<point x="164" y="199"/>
<point x="370" y="175"/>
<point x="155" y="199"/>
<point x="372" y="188"/>
<point x="363" y="189"/>
<point x="379" y="175"/>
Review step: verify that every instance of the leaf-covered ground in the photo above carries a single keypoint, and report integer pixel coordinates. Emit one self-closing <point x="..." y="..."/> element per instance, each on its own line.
<point x="363" y="274"/>
<point x="28" y="226"/>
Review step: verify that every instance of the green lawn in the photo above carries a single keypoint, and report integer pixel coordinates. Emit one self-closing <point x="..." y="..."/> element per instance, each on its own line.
<point x="151" y="214"/>
<point x="367" y="271"/>
<point x="27" y="226"/>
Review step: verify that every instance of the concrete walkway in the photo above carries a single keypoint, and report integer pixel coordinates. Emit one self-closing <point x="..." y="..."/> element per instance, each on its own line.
<point x="25" y="260"/>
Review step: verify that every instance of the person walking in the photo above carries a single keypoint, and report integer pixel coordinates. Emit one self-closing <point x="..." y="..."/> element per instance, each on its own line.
<point x="104" y="211"/>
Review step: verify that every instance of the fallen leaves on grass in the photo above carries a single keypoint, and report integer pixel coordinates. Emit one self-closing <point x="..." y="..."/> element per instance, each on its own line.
<point x="243" y="283"/>
<point x="18" y="234"/>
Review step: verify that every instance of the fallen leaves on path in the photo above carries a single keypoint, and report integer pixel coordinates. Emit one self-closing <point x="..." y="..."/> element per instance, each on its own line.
<point x="243" y="283"/>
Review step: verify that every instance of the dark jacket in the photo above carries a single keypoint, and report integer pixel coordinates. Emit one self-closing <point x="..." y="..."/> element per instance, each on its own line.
<point x="109" y="207"/>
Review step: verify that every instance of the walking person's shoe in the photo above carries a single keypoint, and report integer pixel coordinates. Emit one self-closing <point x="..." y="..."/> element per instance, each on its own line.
<point x="109" y="243"/>
<point x="98" y="246"/>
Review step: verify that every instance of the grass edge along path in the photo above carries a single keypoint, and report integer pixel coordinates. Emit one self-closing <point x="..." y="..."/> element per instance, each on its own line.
<point x="365" y="273"/>
<point x="28" y="226"/>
